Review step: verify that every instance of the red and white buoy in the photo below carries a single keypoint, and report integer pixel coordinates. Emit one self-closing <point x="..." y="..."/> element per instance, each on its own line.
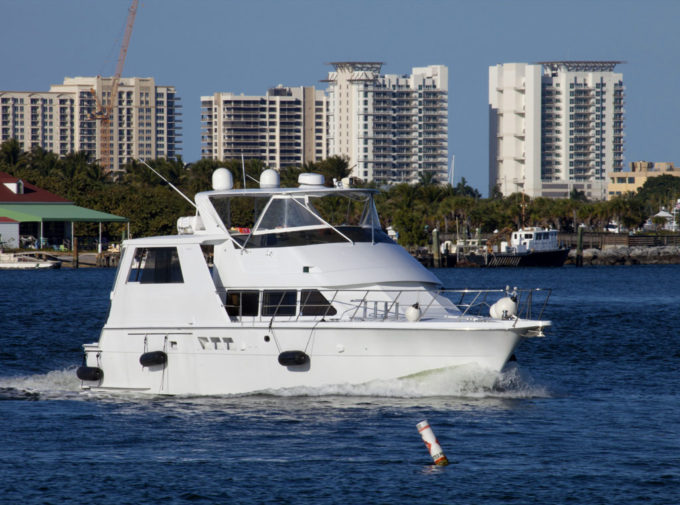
<point x="431" y="443"/>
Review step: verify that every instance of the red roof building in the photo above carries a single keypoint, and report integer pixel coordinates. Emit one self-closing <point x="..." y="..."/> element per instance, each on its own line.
<point x="13" y="190"/>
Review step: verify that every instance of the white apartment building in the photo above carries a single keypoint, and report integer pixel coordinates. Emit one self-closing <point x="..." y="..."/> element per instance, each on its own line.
<point x="391" y="127"/>
<point x="286" y="127"/>
<point x="145" y="122"/>
<point x="554" y="127"/>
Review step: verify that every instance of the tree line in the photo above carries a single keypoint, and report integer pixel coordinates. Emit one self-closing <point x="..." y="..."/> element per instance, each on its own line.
<point x="411" y="209"/>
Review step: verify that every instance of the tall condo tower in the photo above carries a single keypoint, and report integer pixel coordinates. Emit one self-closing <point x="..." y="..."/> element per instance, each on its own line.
<point x="145" y="122"/>
<point x="393" y="128"/>
<point x="554" y="127"/>
<point x="283" y="128"/>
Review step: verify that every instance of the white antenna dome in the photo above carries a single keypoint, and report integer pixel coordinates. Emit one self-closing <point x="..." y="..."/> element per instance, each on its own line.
<point x="269" y="179"/>
<point x="311" y="179"/>
<point x="222" y="179"/>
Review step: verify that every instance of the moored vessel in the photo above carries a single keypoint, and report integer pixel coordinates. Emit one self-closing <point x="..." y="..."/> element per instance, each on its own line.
<point x="304" y="289"/>
<point x="28" y="261"/>
<point x="528" y="247"/>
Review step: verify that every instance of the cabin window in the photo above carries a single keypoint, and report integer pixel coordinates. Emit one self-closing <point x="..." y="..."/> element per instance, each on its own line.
<point x="242" y="303"/>
<point x="313" y="303"/>
<point x="156" y="265"/>
<point x="279" y="303"/>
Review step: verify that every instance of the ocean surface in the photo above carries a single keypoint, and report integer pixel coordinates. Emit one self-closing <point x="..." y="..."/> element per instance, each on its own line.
<point x="588" y="415"/>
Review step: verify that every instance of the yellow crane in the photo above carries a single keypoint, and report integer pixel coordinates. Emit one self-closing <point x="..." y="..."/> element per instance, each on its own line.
<point x="104" y="111"/>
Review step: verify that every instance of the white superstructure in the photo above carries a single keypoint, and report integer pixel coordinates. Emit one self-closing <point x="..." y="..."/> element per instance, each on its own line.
<point x="145" y="123"/>
<point x="532" y="239"/>
<point x="304" y="289"/>
<point x="393" y="128"/>
<point x="555" y="127"/>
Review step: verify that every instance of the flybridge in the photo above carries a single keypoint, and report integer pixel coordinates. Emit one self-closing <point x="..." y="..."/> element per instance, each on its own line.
<point x="282" y="217"/>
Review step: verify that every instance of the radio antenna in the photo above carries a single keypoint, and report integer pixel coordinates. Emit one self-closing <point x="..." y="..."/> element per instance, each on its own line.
<point x="243" y="169"/>
<point x="169" y="183"/>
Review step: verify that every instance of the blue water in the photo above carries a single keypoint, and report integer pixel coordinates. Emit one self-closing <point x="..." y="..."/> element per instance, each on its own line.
<point x="588" y="415"/>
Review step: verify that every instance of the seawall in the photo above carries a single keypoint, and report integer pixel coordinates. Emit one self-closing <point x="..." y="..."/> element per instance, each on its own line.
<point x="623" y="255"/>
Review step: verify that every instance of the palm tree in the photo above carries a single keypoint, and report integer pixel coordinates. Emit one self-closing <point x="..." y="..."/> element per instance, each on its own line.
<point x="10" y="153"/>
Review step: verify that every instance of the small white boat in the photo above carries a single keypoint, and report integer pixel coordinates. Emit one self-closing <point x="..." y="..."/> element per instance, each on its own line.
<point x="27" y="261"/>
<point x="528" y="247"/>
<point x="304" y="289"/>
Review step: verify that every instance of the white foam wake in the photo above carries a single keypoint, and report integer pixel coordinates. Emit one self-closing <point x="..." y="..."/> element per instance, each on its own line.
<point x="54" y="384"/>
<point x="468" y="381"/>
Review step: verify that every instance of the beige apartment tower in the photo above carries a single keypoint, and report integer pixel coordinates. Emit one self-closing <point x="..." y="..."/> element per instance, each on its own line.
<point x="555" y="127"/>
<point x="285" y="127"/>
<point x="145" y="121"/>
<point x="393" y="128"/>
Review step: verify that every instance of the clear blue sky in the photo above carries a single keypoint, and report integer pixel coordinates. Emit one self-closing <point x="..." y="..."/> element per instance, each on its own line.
<point x="205" y="46"/>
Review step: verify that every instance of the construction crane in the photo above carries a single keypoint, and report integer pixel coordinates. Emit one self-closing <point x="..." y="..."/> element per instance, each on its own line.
<point x="104" y="111"/>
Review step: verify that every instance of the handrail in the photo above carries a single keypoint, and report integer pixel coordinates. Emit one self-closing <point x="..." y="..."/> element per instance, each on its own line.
<point x="348" y="304"/>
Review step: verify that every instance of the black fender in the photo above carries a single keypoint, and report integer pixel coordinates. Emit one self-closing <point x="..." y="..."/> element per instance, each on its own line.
<point x="293" y="358"/>
<point x="90" y="373"/>
<point x="153" y="358"/>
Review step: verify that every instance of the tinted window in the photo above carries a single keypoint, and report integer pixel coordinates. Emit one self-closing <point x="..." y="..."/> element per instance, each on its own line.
<point x="279" y="303"/>
<point x="316" y="236"/>
<point x="242" y="303"/>
<point x="156" y="265"/>
<point x="313" y="303"/>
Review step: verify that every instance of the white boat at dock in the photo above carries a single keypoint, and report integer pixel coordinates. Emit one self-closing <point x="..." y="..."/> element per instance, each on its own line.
<point x="28" y="261"/>
<point x="304" y="289"/>
<point x="528" y="247"/>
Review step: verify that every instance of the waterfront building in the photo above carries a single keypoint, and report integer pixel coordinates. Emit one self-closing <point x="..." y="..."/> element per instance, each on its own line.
<point x="631" y="181"/>
<point x="145" y="122"/>
<point x="555" y="127"/>
<point x="285" y="127"/>
<point x="33" y="217"/>
<point x="392" y="128"/>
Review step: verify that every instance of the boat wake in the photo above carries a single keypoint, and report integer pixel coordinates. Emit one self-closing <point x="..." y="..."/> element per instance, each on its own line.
<point x="58" y="384"/>
<point x="470" y="382"/>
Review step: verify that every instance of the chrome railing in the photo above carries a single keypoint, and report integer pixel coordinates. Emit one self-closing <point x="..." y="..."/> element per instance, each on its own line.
<point x="267" y="305"/>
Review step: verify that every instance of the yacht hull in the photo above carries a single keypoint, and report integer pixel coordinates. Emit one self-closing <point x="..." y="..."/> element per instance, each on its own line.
<point x="213" y="361"/>
<point x="553" y="258"/>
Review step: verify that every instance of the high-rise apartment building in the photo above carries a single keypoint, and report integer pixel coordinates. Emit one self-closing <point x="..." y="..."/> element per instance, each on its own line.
<point x="393" y="128"/>
<point x="555" y="127"/>
<point x="145" y="122"/>
<point x="285" y="127"/>
<point x="42" y="119"/>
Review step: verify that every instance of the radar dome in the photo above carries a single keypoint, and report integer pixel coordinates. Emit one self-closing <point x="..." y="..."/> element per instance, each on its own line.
<point x="311" y="179"/>
<point x="269" y="179"/>
<point x="222" y="179"/>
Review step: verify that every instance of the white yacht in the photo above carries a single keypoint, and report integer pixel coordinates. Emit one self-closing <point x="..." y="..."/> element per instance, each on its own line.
<point x="275" y="287"/>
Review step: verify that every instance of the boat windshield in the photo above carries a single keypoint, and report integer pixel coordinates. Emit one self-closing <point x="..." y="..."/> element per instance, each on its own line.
<point x="291" y="219"/>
